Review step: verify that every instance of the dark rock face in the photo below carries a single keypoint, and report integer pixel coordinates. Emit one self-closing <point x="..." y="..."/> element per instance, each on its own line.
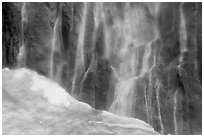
<point x="71" y="16"/>
<point x="141" y="60"/>
<point x="98" y="85"/>
<point x="180" y="78"/>
<point x="11" y="34"/>
<point x="104" y="84"/>
<point x="37" y="31"/>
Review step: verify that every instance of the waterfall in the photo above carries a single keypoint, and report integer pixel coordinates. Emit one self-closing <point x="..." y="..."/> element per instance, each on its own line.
<point x="135" y="51"/>
<point x="159" y="106"/>
<point x="125" y="98"/>
<point x="128" y="50"/>
<point x="175" y="112"/>
<point x="55" y="46"/>
<point x="22" y="49"/>
<point x="146" y="103"/>
<point x="145" y="61"/>
<point x="182" y="32"/>
<point x="183" y="50"/>
<point x="55" y="35"/>
<point x="132" y="59"/>
<point x="80" y="53"/>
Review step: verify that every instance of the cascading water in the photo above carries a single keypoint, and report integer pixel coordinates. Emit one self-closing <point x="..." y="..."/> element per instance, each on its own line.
<point x="135" y="41"/>
<point x="125" y="98"/>
<point x="183" y="50"/>
<point x="129" y="51"/>
<point x="183" y="36"/>
<point x="127" y="58"/>
<point x="159" y="106"/>
<point x="54" y="40"/>
<point x="56" y="65"/>
<point x="22" y="50"/>
<point x="79" y="53"/>
<point x="175" y="111"/>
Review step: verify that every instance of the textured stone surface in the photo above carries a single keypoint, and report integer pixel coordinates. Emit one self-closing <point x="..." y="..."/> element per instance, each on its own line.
<point x="11" y="33"/>
<point x="38" y="34"/>
<point x="98" y="85"/>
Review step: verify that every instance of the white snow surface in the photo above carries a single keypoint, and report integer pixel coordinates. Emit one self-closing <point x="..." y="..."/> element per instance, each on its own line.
<point x="33" y="104"/>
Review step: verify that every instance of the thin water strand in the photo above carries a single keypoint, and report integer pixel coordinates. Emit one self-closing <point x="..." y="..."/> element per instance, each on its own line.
<point x="54" y="39"/>
<point x="80" y="52"/>
<point x="146" y="104"/>
<point x="175" y="112"/>
<point x="55" y="43"/>
<point x="22" y="51"/>
<point x="159" y="107"/>
<point x="182" y="32"/>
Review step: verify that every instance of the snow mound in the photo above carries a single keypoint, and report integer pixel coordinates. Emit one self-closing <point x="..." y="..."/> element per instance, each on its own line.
<point x="33" y="104"/>
<point x="52" y="91"/>
<point x="48" y="89"/>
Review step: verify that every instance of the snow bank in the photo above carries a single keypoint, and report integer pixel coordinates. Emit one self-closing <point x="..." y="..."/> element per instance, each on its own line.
<point x="32" y="104"/>
<point x="51" y="91"/>
<point x="48" y="89"/>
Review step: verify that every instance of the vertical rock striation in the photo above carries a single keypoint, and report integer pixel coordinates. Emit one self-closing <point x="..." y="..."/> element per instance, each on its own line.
<point x="11" y="34"/>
